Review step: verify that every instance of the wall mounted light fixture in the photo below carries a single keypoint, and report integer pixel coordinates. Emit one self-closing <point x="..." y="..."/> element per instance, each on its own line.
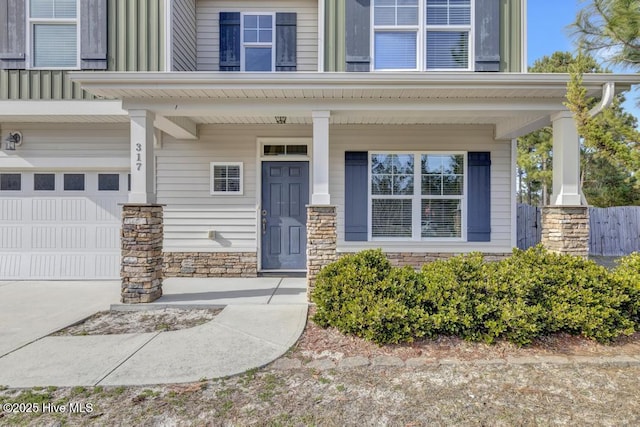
<point x="12" y="141"/>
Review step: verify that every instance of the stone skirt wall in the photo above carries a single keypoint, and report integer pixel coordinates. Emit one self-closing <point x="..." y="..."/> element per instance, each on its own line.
<point x="210" y="264"/>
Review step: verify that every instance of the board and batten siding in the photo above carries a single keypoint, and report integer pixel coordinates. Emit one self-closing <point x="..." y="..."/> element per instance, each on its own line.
<point x="183" y="35"/>
<point x="208" y="29"/>
<point x="183" y="185"/>
<point x="426" y="138"/>
<point x="136" y="42"/>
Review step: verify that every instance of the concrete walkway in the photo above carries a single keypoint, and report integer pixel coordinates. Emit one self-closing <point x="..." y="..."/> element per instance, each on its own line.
<point x="262" y="319"/>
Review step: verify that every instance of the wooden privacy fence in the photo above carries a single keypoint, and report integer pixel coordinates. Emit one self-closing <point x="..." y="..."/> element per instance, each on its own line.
<point x="613" y="231"/>
<point x="529" y="226"/>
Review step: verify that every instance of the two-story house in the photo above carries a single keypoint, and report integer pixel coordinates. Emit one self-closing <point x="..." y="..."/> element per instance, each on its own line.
<point x="273" y="135"/>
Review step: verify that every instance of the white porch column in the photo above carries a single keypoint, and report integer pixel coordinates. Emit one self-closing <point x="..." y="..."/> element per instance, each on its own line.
<point x="320" y="183"/>
<point x="142" y="168"/>
<point x="566" y="161"/>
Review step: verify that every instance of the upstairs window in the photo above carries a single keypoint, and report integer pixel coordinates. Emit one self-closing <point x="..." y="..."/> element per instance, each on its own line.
<point x="53" y="32"/>
<point x="422" y="34"/>
<point x="257" y="42"/>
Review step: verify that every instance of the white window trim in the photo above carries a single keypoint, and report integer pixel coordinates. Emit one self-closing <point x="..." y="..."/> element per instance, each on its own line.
<point x="29" y="56"/>
<point x="240" y="191"/>
<point x="417" y="197"/>
<point x="244" y="45"/>
<point x="421" y="39"/>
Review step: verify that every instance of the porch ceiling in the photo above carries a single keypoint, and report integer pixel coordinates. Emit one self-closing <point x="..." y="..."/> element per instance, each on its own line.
<point x="514" y="103"/>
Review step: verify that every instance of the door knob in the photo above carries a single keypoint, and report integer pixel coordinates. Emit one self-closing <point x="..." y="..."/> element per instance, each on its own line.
<point x="264" y="225"/>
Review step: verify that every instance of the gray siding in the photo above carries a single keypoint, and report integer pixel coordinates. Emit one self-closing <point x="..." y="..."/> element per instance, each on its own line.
<point x="135" y="43"/>
<point x="208" y="12"/>
<point x="183" y="35"/>
<point x="183" y="182"/>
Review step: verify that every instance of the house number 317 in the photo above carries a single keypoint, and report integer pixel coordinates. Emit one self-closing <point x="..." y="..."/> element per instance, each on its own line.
<point x="139" y="156"/>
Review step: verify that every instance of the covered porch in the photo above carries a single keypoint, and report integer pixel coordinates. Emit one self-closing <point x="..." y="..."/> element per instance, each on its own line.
<point x="179" y="104"/>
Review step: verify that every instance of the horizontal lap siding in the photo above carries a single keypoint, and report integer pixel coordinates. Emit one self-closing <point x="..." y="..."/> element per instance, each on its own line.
<point x="61" y="146"/>
<point x="208" y="28"/>
<point x="427" y="138"/>
<point x="183" y="186"/>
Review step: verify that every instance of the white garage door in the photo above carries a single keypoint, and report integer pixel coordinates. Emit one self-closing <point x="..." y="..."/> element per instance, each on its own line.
<point x="61" y="225"/>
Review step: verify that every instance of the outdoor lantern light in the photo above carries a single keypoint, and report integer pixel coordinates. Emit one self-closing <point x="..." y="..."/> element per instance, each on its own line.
<point x="281" y="120"/>
<point x="13" y="140"/>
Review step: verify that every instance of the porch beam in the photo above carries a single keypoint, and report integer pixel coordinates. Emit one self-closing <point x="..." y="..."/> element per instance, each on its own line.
<point x="566" y="161"/>
<point x="177" y="127"/>
<point x="320" y="183"/>
<point x="142" y="170"/>
<point x="417" y="106"/>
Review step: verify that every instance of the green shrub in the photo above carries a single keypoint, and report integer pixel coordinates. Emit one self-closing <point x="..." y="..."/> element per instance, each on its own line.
<point x="627" y="276"/>
<point x="528" y="295"/>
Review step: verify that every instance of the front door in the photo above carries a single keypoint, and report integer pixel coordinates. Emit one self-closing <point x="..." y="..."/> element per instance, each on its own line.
<point x="283" y="218"/>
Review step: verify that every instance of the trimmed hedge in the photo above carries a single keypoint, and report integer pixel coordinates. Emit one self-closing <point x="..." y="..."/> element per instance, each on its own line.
<point x="528" y="295"/>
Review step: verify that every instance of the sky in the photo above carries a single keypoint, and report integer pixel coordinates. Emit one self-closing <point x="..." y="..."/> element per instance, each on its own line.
<point x="548" y="33"/>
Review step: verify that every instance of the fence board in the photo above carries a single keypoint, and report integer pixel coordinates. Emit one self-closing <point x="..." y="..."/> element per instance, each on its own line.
<point x="613" y="231"/>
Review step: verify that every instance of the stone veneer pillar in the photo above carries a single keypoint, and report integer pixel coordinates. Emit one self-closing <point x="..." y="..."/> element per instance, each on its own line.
<point x="141" y="244"/>
<point x="565" y="229"/>
<point x="321" y="240"/>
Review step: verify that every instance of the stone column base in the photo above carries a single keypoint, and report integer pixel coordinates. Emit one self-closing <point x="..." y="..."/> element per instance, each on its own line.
<point x="565" y="229"/>
<point x="141" y="243"/>
<point x="321" y="240"/>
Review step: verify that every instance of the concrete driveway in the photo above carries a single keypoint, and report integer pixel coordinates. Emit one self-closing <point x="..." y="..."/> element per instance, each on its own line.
<point x="30" y="310"/>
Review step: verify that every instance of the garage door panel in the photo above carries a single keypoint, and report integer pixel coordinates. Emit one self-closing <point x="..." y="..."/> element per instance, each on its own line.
<point x="11" y="237"/>
<point x="44" y="238"/>
<point x="10" y="266"/>
<point x="43" y="266"/>
<point x="106" y="265"/>
<point x="44" y="210"/>
<point x="107" y="210"/>
<point x="58" y="234"/>
<point x="72" y="266"/>
<point x="10" y="209"/>
<point x="73" y="237"/>
<point x="74" y="210"/>
<point x="108" y="237"/>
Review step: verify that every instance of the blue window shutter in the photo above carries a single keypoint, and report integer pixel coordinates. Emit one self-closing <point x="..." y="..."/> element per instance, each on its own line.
<point x="93" y="38"/>
<point x="479" y="197"/>
<point x="12" y="34"/>
<point x="356" y="196"/>
<point x="286" y="41"/>
<point x="487" y="35"/>
<point x="357" y="35"/>
<point x="229" y="41"/>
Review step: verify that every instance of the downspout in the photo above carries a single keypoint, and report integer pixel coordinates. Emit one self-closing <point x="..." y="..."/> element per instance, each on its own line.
<point x="608" y="95"/>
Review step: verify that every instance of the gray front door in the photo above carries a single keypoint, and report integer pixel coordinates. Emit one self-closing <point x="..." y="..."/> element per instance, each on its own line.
<point x="285" y="194"/>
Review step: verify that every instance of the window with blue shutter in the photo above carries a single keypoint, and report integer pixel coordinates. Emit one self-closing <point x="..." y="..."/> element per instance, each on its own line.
<point x="258" y="41"/>
<point x="417" y="196"/>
